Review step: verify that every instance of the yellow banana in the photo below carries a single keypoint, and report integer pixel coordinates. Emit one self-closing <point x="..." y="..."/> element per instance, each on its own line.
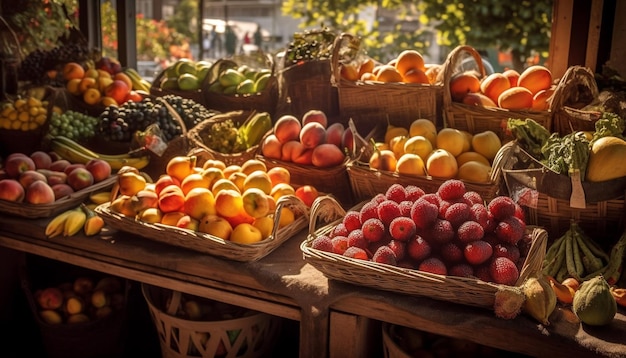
<point x="56" y="226"/>
<point x="255" y="128"/>
<point x="74" y="223"/>
<point x="139" y="83"/>
<point x="75" y="156"/>
<point x="100" y="197"/>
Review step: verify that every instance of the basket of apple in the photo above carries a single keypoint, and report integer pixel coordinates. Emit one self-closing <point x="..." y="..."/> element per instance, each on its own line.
<point x="40" y="184"/>
<point x="239" y="212"/>
<point x="184" y="77"/>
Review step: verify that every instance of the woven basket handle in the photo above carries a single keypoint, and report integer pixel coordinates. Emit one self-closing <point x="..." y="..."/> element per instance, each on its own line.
<point x="573" y="76"/>
<point x="450" y="65"/>
<point x="537" y="251"/>
<point x="501" y="159"/>
<point x="334" y="58"/>
<point x="325" y="208"/>
<point x="174" y="303"/>
<point x="294" y="203"/>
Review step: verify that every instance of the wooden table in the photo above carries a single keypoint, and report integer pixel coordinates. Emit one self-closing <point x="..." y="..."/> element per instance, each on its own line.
<point x="335" y="318"/>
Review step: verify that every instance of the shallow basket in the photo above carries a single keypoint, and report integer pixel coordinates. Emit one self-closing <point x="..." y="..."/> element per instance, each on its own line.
<point x="567" y="119"/>
<point x="247" y="334"/>
<point x="198" y="133"/>
<point x="400" y="103"/>
<point x="545" y="196"/>
<point x="476" y="119"/>
<point x="33" y="211"/>
<point x="462" y="290"/>
<point x="209" y="244"/>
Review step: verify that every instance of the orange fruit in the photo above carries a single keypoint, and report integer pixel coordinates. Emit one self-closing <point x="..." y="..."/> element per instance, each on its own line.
<point x="441" y="164"/>
<point x="516" y="98"/>
<point x="408" y="60"/>
<point x="388" y="73"/>
<point x="415" y="76"/>
<point x="452" y="140"/>
<point x="462" y="84"/>
<point x="367" y="66"/>
<point x="535" y="78"/>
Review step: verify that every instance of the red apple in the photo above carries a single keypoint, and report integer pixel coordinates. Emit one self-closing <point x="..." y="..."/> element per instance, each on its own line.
<point x="53" y="177"/>
<point x="59" y="165"/>
<point x="29" y="176"/>
<point x="118" y="90"/>
<point x="73" y="166"/>
<point x="42" y="159"/>
<point x="12" y="190"/>
<point x="99" y="168"/>
<point x="80" y="178"/>
<point x="16" y="164"/>
<point x="39" y="192"/>
<point x="61" y="190"/>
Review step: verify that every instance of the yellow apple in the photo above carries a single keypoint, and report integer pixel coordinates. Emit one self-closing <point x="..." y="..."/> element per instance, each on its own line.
<point x="172" y="218"/>
<point x="199" y="202"/>
<point x="286" y="217"/>
<point x="194" y="180"/>
<point x="151" y="215"/>
<point x="215" y="225"/>
<point x="258" y="179"/>
<point x="92" y="96"/>
<point x="252" y="165"/>
<point x="224" y="184"/>
<point x="212" y="174"/>
<point x="245" y="233"/>
<point x="228" y="203"/>
<point x="238" y="178"/>
<point x="255" y="202"/>
<point x="282" y="189"/>
<point x="265" y="224"/>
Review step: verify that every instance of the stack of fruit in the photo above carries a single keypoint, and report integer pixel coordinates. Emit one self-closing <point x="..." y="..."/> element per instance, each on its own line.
<point x="183" y="75"/>
<point x="23" y="114"/>
<point x="240" y="79"/>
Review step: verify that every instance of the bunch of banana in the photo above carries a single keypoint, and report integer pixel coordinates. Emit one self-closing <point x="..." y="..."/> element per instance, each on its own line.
<point x="254" y="128"/>
<point x="74" y="152"/>
<point x="576" y="255"/>
<point x="68" y="223"/>
<point x="139" y="83"/>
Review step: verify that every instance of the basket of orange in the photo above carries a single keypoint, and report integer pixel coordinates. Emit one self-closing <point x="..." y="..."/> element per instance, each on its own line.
<point x="401" y="90"/>
<point x="475" y="101"/>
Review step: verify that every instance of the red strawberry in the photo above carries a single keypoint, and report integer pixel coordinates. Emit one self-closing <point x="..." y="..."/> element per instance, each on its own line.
<point x="441" y="231"/>
<point x="506" y="250"/>
<point x="451" y="189"/>
<point x="451" y="252"/>
<point x="477" y="252"/>
<point x="457" y="214"/>
<point x="413" y="192"/>
<point x="472" y="197"/>
<point x="503" y="271"/>
<point x="520" y="213"/>
<point x="379" y="198"/>
<point x="510" y="230"/>
<point x="479" y="213"/>
<point x="461" y="270"/>
<point x="398" y="248"/>
<point x="352" y="220"/>
<point x="356" y="239"/>
<point x="501" y="207"/>
<point x="340" y="244"/>
<point x="396" y="192"/>
<point x="483" y="272"/>
<point x="470" y="231"/>
<point x="432" y="198"/>
<point x="402" y="228"/>
<point x="323" y="243"/>
<point x="339" y="230"/>
<point x="433" y="265"/>
<point x="417" y="248"/>
<point x="368" y="211"/>
<point x="356" y="253"/>
<point x="385" y="255"/>
<point x="387" y="211"/>
<point x="373" y="230"/>
<point x="423" y="213"/>
<point x="405" y="208"/>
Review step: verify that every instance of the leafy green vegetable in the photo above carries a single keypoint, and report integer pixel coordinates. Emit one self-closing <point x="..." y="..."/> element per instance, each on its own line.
<point x="609" y="124"/>
<point x="530" y="134"/>
<point x="566" y="154"/>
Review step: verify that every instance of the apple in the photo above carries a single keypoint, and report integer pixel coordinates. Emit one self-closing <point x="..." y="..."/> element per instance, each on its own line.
<point x="164" y="181"/>
<point x="41" y="159"/>
<point x="245" y="233"/>
<point x="99" y="168"/>
<point x="228" y="202"/>
<point x="30" y="176"/>
<point x="265" y="224"/>
<point x="308" y="194"/>
<point x="118" y="90"/>
<point x="215" y="225"/>
<point x="199" y="202"/>
<point x="16" y="164"/>
<point x="80" y="178"/>
<point x="39" y="192"/>
<point x="255" y="202"/>
<point x="59" y="165"/>
<point x="50" y="298"/>
<point x="315" y="115"/>
<point x="68" y="169"/>
<point x="12" y="190"/>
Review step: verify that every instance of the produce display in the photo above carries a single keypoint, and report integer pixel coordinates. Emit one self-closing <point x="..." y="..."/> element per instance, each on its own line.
<point x="232" y="78"/>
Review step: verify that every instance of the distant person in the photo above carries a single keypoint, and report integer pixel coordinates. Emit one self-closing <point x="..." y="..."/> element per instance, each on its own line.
<point x="216" y="43"/>
<point x="206" y="45"/>
<point x="258" y="37"/>
<point x="230" y="41"/>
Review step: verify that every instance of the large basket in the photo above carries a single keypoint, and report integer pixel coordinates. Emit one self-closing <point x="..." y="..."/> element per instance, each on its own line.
<point x="33" y="211"/>
<point x="233" y="332"/>
<point x="400" y="103"/>
<point x="476" y="119"/>
<point x="198" y="134"/>
<point x="546" y="197"/>
<point x="209" y="244"/>
<point x="576" y="88"/>
<point x="157" y="91"/>
<point x="462" y="290"/>
<point x="263" y="101"/>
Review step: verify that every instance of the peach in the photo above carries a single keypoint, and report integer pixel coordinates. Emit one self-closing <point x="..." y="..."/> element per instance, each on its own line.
<point x="171" y="218"/>
<point x="12" y="190"/>
<point x="53" y="177"/>
<point x="478" y="99"/>
<point x="86" y="83"/>
<point x="223" y="184"/>
<point x="61" y="190"/>
<point x="462" y="84"/>
<point x="228" y="203"/>
<point x="151" y="215"/>
<point x="516" y="98"/>
<point x="80" y="178"/>
<point x="144" y="199"/>
<point x="73" y="86"/>
<point x="271" y="147"/>
<point x="99" y="168"/>
<point x="282" y="189"/>
<point x="494" y="84"/>
<point x="304" y="158"/>
<point x="383" y="160"/>
<point x="50" y="298"/>
<point x="312" y="135"/>
<point x="415" y="76"/>
<point x="265" y="224"/>
<point x="214" y="163"/>
<point x="187" y="222"/>
<point x="73" y="70"/>
<point x="327" y="155"/>
<point x="315" y="115"/>
<point x="541" y="100"/>
<point x="123" y="204"/>
<point x="41" y="159"/>
<point x="512" y="75"/>
<point x="171" y="199"/>
<point x="334" y="134"/>
<point x="246" y="233"/>
<point x="535" y="78"/>
<point x="164" y="181"/>
<point x="199" y="202"/>
<point x="124" y="78"/>
<point x="240" y="218"/>
<point x="180" y="166"/>
<point x="133" y="96"/>
<point x="195" y="180"/>
<point x="347" y="140"/>
<point x="92" y="96"/>
<point x="252" y="165"/>
<point x="215" y="225"/>
<point x="287" y="128"/>
<point x="255" y="202"/>
<point x="307" y="193"/>
<point x="118" y="90"/>
<point x="279" y="175"/>
<point x="229" y="170"/>
<point x="238" y="178"/>
<point x="290" y="149"/>
<point x="73" y="166"/>
<point x="258" y="179"/>
<point x="39" y="192"/>
<point x="29" y="176"/>
<point x="59" y="165"/>
<point x="15" y="165"/>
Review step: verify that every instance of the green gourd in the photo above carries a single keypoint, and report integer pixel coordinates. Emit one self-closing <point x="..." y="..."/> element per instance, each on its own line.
<point x="593" y="302"/>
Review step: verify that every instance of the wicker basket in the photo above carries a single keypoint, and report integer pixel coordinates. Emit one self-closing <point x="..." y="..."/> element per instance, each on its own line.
<point x="210" y="244"/>
<point x="264" y="101"/>
<point x="401" y="103"/>
<point x="546" y="197"/>
<point x="462" y="290"/>
<point x="476" y="119"/>
<point x="577" y="84"/>
<point x="33" y="211"/>
<point x="234" y="332"/>
<point x="157" y="91"/>
<point x="198" y="133"/>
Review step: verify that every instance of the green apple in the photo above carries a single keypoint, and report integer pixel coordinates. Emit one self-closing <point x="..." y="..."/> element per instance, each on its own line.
<point x="246" y="87"/>
<point x="184" y="66"/>
<point x="170" y="83"/>
<point x="262" y="81"/>
<point x="231" y="77"/>
<point x="188" y="82"/>
<point x="203" y="71"/>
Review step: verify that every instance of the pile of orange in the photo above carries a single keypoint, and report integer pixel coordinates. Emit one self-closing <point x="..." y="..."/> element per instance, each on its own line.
<point x="407" y="67"/>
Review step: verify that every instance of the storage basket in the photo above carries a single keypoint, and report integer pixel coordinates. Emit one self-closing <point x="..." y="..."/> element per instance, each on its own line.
<point x="400" y="103"/>
<point x="100" y="338"/>
<point x="199" y="133"/>
<point x="462" y="290"/>
<point x="263" y="101"/>
<point x="232" y="332"/>
<point x="157" y="91"/>
<point x="476" y="119"/>
<point x="576" y="89"/>
<point x="209" y="244"/>
<point x="545" y="195"/>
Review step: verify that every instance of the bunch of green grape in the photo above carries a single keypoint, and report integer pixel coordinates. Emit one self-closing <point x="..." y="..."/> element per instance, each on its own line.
<point x="223" y="137"/>
<point x="72" y="124"/>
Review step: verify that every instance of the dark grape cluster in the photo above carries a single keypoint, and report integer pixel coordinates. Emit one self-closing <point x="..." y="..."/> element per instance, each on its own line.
<point x="119" y="124"/>
<point x="190" y="111"/>
<point x="34" y="66"/>
<point x="72" y="124"/>
<point x="310" y="45"/>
